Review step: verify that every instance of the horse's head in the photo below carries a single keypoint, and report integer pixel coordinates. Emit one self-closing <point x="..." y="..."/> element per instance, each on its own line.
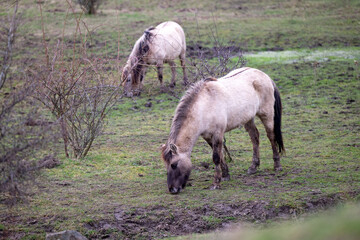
<point x="178" y="167"/>
<point x="126" y="80"/>
<point x="131" y="78"/>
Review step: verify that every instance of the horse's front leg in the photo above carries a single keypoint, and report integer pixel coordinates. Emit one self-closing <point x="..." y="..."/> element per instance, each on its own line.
<point x="173" y="74"/>
<point x="224" y="168"/>
<point x="218" y="160"/>
<point x="142" y="75"/>
<point x="140" y="85"/>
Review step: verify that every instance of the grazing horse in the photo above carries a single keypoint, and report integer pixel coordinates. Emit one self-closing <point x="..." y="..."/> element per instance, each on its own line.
<point x="212" y="107"/>
<point x="158" y="45"/>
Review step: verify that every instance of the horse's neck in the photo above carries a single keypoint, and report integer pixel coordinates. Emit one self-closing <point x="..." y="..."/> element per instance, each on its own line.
<point x="187" y="137"/>
<point x="133" y="55"/>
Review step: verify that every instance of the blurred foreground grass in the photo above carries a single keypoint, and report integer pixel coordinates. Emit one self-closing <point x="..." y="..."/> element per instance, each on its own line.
<point x="341" y="223"/>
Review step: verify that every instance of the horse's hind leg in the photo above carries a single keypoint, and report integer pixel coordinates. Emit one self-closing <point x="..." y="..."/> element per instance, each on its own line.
<point x="173" y="73"/>
<point x="182" y="61"/>
<point x="269" y="127"/>
<point x="224" y="168"/>
<point x="254" y="136"/>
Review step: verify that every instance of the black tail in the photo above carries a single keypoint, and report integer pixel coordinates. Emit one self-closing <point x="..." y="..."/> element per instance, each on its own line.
<point x="277" y="121"/>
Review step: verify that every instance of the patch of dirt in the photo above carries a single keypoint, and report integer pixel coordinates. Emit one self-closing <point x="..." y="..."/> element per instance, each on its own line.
<point x="164" y="221"/>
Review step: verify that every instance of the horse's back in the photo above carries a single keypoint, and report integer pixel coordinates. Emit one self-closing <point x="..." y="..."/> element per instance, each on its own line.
<point x="248" y="80"/>
<point x="246" y="75"/>
<point x="170" y="26"/>
<point x="244" y="93"/>
<point x="168" y="40"/>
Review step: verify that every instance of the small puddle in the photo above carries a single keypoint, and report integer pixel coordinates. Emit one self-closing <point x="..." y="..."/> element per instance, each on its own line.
<point x="305" y="55"/>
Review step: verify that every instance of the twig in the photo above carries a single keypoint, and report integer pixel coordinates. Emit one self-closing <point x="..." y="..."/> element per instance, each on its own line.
<point x="8" y="52"/>
<point x="43" y="36"/>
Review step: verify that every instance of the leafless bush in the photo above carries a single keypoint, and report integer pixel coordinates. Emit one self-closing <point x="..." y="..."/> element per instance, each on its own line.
<point x="80" y="96"/>
<point x="89" y="6"/>
<point x="76" y="89"/>
<point x="216" y="61"/>
<point x="23" y="135"/>
<point x="23" y="131"/>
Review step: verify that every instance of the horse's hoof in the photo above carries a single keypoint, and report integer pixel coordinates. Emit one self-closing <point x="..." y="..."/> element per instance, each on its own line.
<point x="214" y="187"/>
<point x="129" y="94"/>
<point x="227" y="178"/>
<point x="251" y="170"/>
<point x="278" y="169"/>
<point x="136" y="93"/>
<point x="162" y="89"/>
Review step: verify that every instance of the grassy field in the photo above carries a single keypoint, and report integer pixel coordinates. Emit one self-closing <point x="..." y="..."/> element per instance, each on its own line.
<point x="119" y="190"/>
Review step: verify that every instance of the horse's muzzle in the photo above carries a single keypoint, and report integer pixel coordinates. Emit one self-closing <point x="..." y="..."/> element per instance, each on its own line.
<point x="128" y="94"/>
<point x="174" y="190"/>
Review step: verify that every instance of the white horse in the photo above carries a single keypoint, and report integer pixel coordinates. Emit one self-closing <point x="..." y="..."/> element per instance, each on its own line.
<point x="158" y="45"/>
<point x="214" y="106"/>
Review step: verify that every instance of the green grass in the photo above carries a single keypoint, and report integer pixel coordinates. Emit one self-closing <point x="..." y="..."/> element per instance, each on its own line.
<point x="123" y="171"/>
<point x="251" y="25"/>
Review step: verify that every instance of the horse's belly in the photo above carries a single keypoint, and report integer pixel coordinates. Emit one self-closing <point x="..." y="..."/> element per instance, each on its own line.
<point x="238" y="121"/>
<point x="241" y="111"/>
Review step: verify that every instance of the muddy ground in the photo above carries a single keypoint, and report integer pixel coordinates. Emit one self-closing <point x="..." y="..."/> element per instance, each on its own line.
<point x="163" y="221"/>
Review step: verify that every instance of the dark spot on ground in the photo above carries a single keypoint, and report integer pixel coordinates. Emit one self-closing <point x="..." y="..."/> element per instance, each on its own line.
<point x="148" y="104"/>
<point x="349" y="101"/>
<point x="205" y="165"/>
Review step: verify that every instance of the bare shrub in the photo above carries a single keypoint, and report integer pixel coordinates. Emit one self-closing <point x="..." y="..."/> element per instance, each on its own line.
<point x="89" y="6"/>
<point x="23" y="131"/>
<point x="24" y="134"/>
<point x="80" y="96"/>
<point x="77" y="89"/>
<point x="216" y="61"/>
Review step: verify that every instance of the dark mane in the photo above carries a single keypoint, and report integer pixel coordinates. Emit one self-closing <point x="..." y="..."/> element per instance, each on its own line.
<point x="142" y="49"/>
<point x="181" y="115"/>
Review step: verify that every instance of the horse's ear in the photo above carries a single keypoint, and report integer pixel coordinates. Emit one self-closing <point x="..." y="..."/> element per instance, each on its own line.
<point x="173" y="148"/>
<point x="166" y="155"/>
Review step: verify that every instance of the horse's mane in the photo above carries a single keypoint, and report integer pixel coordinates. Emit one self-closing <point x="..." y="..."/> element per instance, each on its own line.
<point x="141" y="48"/>
<point x="181" y="114"/>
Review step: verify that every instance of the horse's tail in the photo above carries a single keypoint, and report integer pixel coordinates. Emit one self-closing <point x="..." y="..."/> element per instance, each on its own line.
<point x="277" y="120"/>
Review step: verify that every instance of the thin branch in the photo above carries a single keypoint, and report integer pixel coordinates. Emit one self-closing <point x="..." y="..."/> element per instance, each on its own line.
<point x="8" y="52"/>
<point x="43" y="38"/>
